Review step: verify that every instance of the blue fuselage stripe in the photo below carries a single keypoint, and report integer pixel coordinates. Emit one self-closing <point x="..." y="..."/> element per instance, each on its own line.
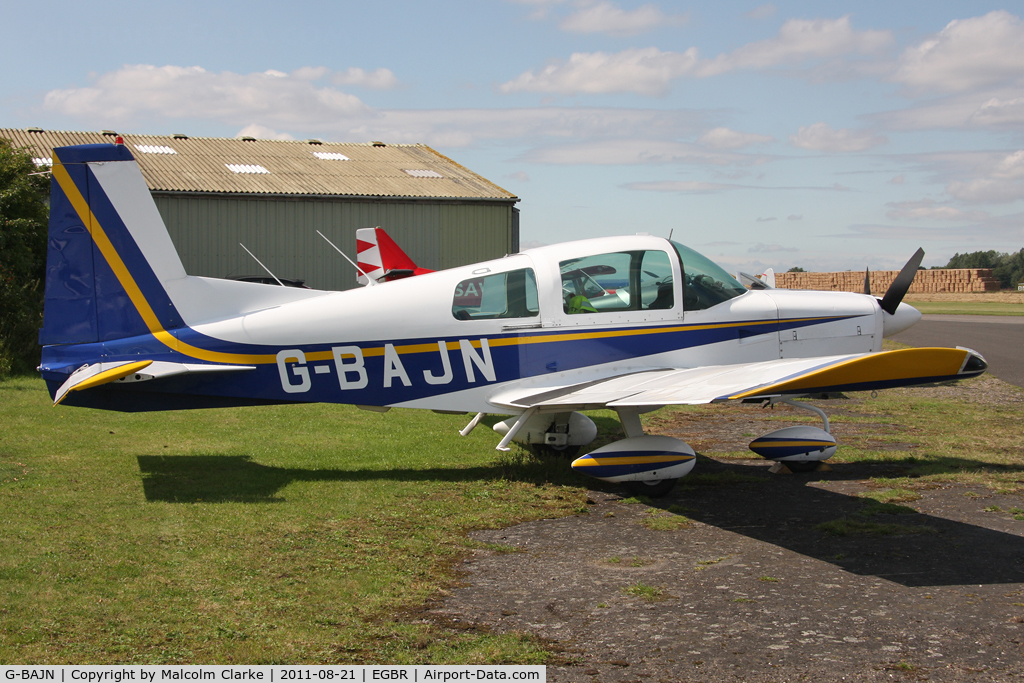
<point x="512" y="356"/>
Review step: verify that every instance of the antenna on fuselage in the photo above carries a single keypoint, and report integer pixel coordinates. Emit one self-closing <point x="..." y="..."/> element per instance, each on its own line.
<point x="369" y="280"/>
<point x="261" y="263"/>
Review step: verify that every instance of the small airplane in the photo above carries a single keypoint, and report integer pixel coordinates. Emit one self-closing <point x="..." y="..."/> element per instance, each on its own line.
<point x="629" y="324"/>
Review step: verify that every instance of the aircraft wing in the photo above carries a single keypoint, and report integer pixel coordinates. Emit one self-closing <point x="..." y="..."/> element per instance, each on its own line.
<point x="764" y="379"/>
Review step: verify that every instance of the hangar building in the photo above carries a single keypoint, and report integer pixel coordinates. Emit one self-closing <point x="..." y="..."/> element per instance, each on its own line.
<point x="273" y="195"/>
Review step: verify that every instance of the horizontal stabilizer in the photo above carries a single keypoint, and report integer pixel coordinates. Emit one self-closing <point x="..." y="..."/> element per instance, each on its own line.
<point x="89" y="376"/>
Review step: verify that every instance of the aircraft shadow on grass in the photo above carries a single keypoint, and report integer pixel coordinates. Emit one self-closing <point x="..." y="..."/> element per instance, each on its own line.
<point x="239" y="479"/>
<point x="786" y="512"/>
<point x="780" y="510"/>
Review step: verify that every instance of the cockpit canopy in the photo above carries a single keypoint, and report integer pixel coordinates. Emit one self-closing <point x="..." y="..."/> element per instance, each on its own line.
<point x="705" y="284"/>
<point x="614" y="281"/>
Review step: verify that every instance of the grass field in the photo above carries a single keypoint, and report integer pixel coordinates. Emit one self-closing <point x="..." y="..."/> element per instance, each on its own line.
<point x="318" y="533"/>
<point x="254" y="535"/>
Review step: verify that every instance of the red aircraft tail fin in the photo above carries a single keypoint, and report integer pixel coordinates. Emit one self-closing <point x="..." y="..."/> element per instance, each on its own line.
<point x="380" y="258"/>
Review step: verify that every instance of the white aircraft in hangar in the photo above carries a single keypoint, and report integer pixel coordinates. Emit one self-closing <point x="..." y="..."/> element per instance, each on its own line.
<point x="625" y="323"/>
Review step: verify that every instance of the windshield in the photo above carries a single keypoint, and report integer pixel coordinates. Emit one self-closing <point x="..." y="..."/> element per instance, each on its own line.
<point x="705" y="283"/>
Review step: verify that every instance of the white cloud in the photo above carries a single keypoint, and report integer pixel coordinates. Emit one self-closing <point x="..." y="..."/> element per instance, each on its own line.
<point x="995" y="108"/>
<point x="263" y="133"/>
<point x="762" y="12"/>
<point x="987" y="178"/>
<point x="795" y="217"/>
<point x="650" y="71"/>
<point x="381" y="79"/>
<point x="974" y="177"/>
<point x="462" y="127"/>
<point x="294" y="104"/>
<point x="724" y="138"/>
<point x="928" y="209"/>
<point x="986" y="190"/>
<point x="800" y="40"/>
<point x="519" y="176"/>
<point x="766" y="220"/>
<point x="141" y="90"/>
<point x="646" y="71"/>
<point x="823" y="138"/>
<point x="604" y="17"/>
<point x="635" y="151"/>
<point x="998" y="113"/>
<point x="967" y="55"/>
<point x="682" y="186"/>
<point x="760" y="248"/>
<point x="701" y="187"/>
<point x="310" y="73"/>
<point x="1010" y="167"/>
<point x="541" y="8"/>
<point x="997" y="232"/>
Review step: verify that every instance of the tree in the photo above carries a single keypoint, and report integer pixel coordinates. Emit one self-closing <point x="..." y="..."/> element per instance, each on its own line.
<point x="1010" y="270"/>
<point x="1007" y="268"/>
<point x="23" y="225"/>
<point x="796" y="269"/>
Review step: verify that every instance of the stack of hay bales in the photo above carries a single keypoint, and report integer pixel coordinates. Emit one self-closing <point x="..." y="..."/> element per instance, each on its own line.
<point x="952" y="280"/>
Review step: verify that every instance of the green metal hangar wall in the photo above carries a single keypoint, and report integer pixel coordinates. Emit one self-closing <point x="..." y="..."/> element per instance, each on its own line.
<point x="273" y="195"/>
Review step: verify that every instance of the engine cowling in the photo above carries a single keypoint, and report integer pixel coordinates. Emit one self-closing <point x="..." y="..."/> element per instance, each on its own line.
<point x="641" y="458"/>
<point x="795" y="444"/>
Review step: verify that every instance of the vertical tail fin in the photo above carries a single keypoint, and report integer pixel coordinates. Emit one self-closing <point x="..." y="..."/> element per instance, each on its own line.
<point x="108" y="253"/>
<point x="381" y="258"/>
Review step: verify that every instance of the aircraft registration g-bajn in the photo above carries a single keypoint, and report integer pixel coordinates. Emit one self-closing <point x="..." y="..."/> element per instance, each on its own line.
<point x="629" y="324"/>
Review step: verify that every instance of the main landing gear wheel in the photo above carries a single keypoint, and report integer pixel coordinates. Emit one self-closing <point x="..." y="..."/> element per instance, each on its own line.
<point x="651" y="489"/>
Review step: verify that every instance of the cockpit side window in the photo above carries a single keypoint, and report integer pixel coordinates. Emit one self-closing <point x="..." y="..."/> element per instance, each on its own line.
<point x="618" y="281"/>
<point x="705" y="284"/>
<point x="502" y="295"/>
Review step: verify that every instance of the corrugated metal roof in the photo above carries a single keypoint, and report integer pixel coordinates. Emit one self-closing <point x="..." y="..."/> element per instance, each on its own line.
<point x="178" y="164"/>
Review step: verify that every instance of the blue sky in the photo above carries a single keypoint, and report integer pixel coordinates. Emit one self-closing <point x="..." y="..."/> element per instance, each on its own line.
<point x="829" y="135"/>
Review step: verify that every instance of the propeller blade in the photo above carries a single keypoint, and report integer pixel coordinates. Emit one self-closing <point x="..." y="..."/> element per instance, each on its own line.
<point x="899" y="287"/>
<point x="867" y="281"/>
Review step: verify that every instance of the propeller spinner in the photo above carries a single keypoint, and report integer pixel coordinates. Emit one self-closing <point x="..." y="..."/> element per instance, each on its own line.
<point x="900" y="316"/>
<point x="901" y="285"/>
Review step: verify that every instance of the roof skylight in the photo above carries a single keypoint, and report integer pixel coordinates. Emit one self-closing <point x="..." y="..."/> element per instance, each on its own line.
<point x="247" y="168"/>
<point x="331" y="156"/>
<point x="42" y="161"/>
<point x="418" y="173"/>
<point x="155" y="149"/>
